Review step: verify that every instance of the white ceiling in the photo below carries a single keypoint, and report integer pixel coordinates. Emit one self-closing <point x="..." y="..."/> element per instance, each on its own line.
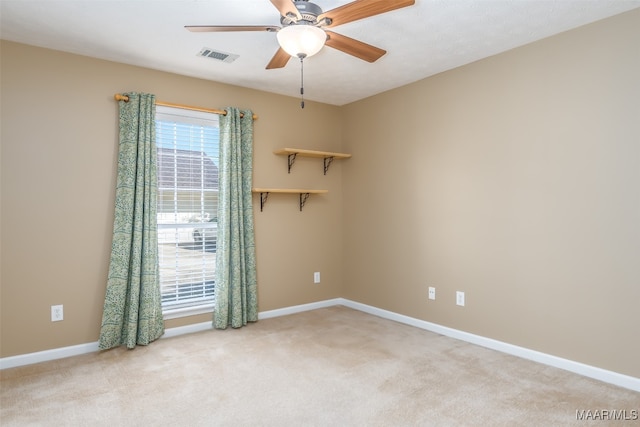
<point x="421" y="40"/>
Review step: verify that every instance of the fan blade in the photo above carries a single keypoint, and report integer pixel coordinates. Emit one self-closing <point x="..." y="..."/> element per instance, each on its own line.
<point x="220" y="28"/>
<point x="354" y="47"/>
<point x="279" y="60"/>
<point x="287" y="8"/>
<point x="361" y="9"/>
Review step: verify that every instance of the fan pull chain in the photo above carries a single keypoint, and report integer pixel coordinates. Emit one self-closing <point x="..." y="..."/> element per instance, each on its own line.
<point x="301" y="81"/>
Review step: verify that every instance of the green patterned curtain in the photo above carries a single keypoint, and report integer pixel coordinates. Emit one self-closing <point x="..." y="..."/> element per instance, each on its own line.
<point x="236" y="287"/>
<point x="133" y="308"/>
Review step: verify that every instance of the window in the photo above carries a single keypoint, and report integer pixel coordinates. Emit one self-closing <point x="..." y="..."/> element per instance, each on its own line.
<point x="187" y="143"/>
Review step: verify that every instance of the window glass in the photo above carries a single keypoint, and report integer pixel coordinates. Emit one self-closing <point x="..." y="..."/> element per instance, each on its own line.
<point x="187" y="143"/>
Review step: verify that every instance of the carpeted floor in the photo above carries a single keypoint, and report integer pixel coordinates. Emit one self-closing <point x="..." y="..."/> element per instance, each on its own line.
<point x="327" y="367"/>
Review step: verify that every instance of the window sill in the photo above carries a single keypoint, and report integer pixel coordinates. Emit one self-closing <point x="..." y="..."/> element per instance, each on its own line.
<point x="187" y="311"/>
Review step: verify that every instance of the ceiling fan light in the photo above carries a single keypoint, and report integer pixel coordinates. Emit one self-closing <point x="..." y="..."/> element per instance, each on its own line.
<point x="301" y="40"/>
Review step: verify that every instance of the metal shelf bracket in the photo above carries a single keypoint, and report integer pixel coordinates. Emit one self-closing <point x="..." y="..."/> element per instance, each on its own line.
<point x="303" y="199"/>
<point x="263" y="200"/>
<point x="327" y="163"/>
<point x="291" y="159"/>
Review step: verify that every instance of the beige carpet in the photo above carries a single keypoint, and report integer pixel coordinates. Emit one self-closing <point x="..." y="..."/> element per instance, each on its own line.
<point x="327" y="367"/>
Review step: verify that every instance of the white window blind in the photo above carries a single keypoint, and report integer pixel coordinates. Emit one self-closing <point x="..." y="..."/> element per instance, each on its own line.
<point x="187" y="143"/>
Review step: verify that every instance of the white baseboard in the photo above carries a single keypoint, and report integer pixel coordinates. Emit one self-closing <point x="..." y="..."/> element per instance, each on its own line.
<point x="300" y="308"/>
<point x="47" y="355"/>
<point x="600" y="374"/>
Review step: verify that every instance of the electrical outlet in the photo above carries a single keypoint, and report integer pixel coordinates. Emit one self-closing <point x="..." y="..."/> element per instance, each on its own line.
<point x="316" y="277"/>
<point x="460" y="298"/>
<point x="432" y="292"/>
<point x="57" y="313"/>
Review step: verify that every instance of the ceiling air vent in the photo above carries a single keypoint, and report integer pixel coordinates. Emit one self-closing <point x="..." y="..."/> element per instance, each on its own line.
<point x="217" y="55"/>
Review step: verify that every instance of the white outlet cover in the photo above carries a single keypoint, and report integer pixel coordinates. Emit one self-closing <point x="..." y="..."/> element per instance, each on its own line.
<point x="432" y="292"/>
<point x="316" y="277"/>
<point x="460" y="298"/>
<point x="57" y="313"/>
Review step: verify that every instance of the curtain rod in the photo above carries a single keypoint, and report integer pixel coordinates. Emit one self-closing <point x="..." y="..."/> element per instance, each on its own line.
<point x="125" y="98"/>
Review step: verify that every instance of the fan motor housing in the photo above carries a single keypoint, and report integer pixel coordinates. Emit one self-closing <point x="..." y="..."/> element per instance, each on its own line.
<point x="309" y="12"/>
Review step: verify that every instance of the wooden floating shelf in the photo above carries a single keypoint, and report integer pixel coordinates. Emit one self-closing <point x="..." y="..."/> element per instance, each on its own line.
<point x="311" y="153"/>
<point x="328" y="156"/>
<point x="304" y="194"/>
<point x="288" y="190"/>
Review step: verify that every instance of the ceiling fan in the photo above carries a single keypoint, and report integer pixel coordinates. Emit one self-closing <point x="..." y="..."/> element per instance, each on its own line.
<point x="303" y="32"/>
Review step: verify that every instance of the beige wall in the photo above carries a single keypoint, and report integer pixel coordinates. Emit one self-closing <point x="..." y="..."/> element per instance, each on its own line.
<point x="59" y="150"/>
<point x="516" y="180"/>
